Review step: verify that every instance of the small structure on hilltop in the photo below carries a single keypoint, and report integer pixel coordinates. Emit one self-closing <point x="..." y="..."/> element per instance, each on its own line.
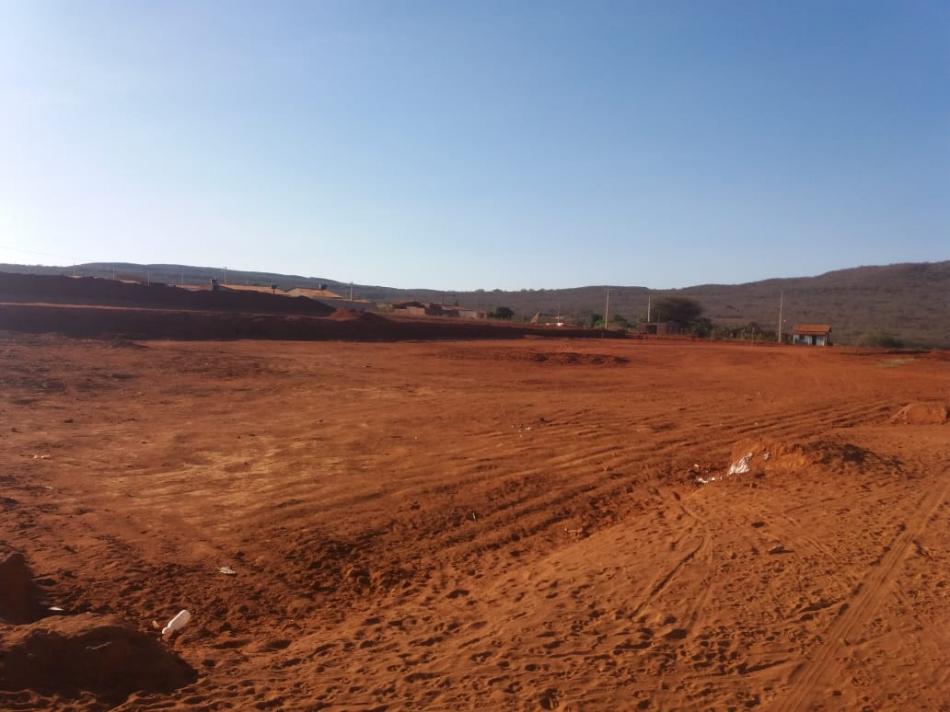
<point x="409" y="308"/>
<point x="812" y="334"/>
<point x="659" y="328"/>
<point x="433" y="309"/>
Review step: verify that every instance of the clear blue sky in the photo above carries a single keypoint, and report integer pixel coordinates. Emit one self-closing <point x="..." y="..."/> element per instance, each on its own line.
<point x="477" y="145"/>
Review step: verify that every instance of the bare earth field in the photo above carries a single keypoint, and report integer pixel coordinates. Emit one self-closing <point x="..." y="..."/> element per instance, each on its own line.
<point x="473" y="525"/>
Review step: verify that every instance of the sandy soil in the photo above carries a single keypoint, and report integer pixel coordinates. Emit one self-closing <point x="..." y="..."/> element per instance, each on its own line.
<point x="490" y="525"/>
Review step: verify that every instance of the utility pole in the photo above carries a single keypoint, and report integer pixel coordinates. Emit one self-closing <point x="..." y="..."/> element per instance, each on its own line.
<point x="607" y="308"/>
<point x="781" y="307"/>
<point x="649" y="304"/>
<point x="351" y="291"/>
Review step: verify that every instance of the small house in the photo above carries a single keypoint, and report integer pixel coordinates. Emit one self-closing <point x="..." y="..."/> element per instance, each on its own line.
<point x="434" y="309"/>
<point x="812" y="334"/>
<point x="409" y="308"/>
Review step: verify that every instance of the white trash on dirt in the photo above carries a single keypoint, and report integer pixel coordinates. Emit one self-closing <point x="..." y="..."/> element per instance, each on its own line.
<point x="740" y="466"/>
<point x="177" y="623"/>
<point x="227" y="571"/>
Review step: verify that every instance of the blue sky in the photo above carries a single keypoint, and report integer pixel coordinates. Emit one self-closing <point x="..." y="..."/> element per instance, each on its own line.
<point x="477" y="145"/>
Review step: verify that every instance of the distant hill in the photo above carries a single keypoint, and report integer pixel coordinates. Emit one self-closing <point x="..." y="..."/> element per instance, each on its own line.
<point x="909" y="301"/>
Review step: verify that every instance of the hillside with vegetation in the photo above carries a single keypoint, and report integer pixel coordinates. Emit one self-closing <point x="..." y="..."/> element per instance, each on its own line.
<point x="906" y="303"/>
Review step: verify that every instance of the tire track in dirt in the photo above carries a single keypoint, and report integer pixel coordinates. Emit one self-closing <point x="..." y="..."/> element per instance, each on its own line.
<point x="607" y="425"/>
<point x="662" y="581"/>
<point x="807" y="678"/>
<point x="820" y="413"/>
<point x="649" y="455"/>
<point x="852" y="415"/>
<point x="643" y="453"/>
<point x="560" y="503"/>
<point x="703" y="552"/>
<point x="535" y="509"/>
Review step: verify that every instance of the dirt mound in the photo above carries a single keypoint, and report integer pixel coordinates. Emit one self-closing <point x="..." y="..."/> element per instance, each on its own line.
<point x="775" y="456"/>
<point x="19" y="598"/>
<point x="362" y="317"/>
<point x="344" y="314"/>
<point x="57" y="289"/>
<point x="138" y="323"/>
<point x="921" y="413"/>
<point x="90" y="653"/>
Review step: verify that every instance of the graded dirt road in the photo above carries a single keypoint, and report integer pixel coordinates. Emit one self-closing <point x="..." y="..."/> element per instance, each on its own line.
<point x="482" y="525"/>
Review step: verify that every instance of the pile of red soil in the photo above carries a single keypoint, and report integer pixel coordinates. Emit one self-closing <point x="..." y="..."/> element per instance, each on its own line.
<point x="90" y="653"/>
<point x="57" y="289"/>
<point x="827" y="455"/>
<point x="932" y="413"/>
<point x="345" y="314"/>
<point x="361" y="317"/>
<point x="68" y="655"/>
<point x="149" y="323"/>
<point x="19" y="598"/>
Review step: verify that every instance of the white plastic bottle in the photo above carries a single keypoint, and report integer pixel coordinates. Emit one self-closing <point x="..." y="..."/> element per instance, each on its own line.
<point x="177" y="623"/>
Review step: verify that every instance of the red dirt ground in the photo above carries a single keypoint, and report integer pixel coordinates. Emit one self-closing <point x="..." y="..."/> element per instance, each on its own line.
<point x="478" y="525"/>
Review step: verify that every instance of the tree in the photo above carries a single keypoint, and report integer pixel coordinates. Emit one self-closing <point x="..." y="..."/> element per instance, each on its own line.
<point x="596" y="320"/>
<point x="502" y="313"/>
<point x="680" y="309"/>
<point x="701" y="327"/>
